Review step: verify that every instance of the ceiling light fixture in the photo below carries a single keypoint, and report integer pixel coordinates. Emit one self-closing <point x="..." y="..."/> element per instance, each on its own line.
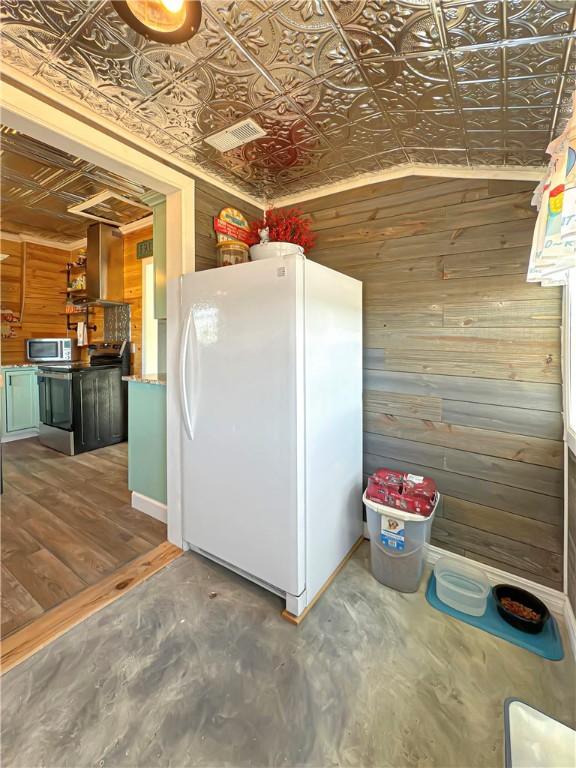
<point x="164" y="21"/>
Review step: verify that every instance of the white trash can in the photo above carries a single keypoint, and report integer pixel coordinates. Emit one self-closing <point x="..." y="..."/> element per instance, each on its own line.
<point x="397" y="541"/>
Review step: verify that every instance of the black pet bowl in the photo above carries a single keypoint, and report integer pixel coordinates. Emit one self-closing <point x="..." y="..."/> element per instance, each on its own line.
<point x="525" y="598"/>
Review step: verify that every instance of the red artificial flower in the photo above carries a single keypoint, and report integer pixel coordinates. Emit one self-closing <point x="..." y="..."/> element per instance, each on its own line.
<point x="284" y="226"/>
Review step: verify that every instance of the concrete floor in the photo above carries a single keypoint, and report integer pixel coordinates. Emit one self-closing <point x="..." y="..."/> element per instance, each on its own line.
<point x="172" y="675"/>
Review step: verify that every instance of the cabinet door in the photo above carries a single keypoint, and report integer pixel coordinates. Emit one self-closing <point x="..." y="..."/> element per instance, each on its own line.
<point x="21" y="399"/>
<point x="98" y="409"/>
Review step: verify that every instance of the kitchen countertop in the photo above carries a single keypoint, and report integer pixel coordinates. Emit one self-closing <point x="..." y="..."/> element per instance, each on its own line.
<point x="21" y="365"/>
<point x="149" y="378"/>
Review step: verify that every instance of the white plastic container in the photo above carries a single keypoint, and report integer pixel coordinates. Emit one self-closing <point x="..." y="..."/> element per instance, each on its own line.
<point x="461" y="586"/>
<point x="397" y="541"/>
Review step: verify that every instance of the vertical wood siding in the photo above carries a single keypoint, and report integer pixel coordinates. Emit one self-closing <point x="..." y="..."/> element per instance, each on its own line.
<point x="462" y="374"/>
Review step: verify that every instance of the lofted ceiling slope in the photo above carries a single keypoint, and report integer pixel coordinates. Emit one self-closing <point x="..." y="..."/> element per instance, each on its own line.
<point x="342" y="88"/>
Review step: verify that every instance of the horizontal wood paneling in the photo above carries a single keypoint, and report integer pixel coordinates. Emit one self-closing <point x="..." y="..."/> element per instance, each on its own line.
<point x="532" y="450"/>
<point x="462" y="372"/>
<point x="44" y="295"/>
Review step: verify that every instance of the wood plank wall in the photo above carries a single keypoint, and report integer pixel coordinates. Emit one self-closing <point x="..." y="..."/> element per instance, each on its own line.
<point x="209" y="202"/>
<point x="132" y="296"/>
<point x="44" y="295"/>
<point x="462" y="357"/>
<point x="571" y="532"/>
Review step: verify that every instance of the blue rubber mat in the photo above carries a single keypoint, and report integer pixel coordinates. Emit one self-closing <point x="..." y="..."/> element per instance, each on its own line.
<point x="547" y="643"/>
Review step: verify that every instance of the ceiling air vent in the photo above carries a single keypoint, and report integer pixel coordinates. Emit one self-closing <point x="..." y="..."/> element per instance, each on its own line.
<point x="241" y="133"/>
<point x="111" y="208"/>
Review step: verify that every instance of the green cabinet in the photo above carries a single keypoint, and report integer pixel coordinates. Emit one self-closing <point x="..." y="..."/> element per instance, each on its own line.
<point x="19" y="400"/>
<point x="147" y="440"/>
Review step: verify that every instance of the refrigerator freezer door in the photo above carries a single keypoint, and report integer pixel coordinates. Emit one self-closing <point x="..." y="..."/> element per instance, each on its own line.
<point x="243" y="478"/>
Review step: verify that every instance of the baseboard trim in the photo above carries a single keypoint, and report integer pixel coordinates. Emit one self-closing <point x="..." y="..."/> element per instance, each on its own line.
<point x="22" y="435"/>
<point x="150" y="506"/>
<point x="570" y="624"/>
<point x="554" y="599"/>
<point x="290" y="617"/>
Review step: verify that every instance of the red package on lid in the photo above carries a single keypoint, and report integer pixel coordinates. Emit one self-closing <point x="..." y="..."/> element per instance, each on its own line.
<point x="404" y="491"/>
<point x="417" y="485"/>
<point x="388" y="477"/>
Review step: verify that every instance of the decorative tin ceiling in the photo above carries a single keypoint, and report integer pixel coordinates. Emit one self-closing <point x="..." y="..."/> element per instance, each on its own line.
<point x="40" y="183"/>
<point x="342" y="88"/>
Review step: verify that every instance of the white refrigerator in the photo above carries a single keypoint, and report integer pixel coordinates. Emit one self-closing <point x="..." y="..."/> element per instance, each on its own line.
<point x="271" y="403"/>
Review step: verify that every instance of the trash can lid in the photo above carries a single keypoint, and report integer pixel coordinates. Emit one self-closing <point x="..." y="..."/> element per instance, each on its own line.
<point x="411" y="517"/>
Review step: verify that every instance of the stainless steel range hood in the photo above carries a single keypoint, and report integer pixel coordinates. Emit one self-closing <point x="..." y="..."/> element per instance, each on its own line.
<point x="104" y="265"/>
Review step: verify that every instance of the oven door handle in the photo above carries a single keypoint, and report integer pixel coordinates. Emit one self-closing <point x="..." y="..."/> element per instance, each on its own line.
<point x="55" y="375"/>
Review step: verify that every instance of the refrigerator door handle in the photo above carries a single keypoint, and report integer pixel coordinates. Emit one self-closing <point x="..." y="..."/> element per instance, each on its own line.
<point x="183" y="375"/>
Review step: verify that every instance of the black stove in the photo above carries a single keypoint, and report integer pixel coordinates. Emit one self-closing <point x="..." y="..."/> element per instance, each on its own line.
<point x="84" y="406"/>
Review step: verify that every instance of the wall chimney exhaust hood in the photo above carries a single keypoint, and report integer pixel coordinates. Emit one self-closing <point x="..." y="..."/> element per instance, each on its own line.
<point x="104" y="265"/>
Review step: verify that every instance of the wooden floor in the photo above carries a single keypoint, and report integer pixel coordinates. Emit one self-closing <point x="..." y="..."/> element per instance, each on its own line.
<point x="66" y="524"/>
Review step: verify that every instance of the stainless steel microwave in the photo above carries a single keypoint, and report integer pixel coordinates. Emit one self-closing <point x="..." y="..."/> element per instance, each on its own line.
<point x="52" y="350"/>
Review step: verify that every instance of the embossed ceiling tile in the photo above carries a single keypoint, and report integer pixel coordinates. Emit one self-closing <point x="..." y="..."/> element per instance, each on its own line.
<point x="535" y="59"/>
<point x="102" y="29"/>
<point x="423" y="156"/>
<point x="221" y="114"/>
<point x="282" y="186"/>
<point x="477" y="64"/>
<point x="341" y="172"/>
<point x="529" y="119"/>
<point x="392" y="158"/>
<point x="526" y="158"/>
<point x="478" y="95"/>
<point x="431" y="67"/>
<point x="182" y="124"/>
<point x="386" y="28"/>
<point x="239" y="15"/>
<point x="411" y="90"/>
<point x="527" y="140"/>
<point x="487" y="157"/>
<point x="532" y="92"/>
<point x="348" y="77"/>
<point x="434" y="131"/>
<point x="305" y="159"/>
<point x="367" y="164"/>
<point x="116" y="78"/>
<point x="16" y="56"/>
<point x="211" y="41"/>
<point x="471" y="23"/>
<point x="313" y="15"/>
<point x="285" y="51"/>
<point x="540" y="17"/>
<point x="453" y="157"/>
<point x="59" y="16"/>
<point x="490" y="119"/>
<point x="485" y="139"/>
<point x="328" y="107"/>
<point x="372" y="134"/>
<point x="38" y="42"/>
<point x="436" y="123"/>
<point x="285" y="128"/>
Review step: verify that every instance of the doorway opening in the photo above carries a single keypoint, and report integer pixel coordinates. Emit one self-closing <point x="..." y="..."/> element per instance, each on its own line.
<point x="77" y="322"/>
